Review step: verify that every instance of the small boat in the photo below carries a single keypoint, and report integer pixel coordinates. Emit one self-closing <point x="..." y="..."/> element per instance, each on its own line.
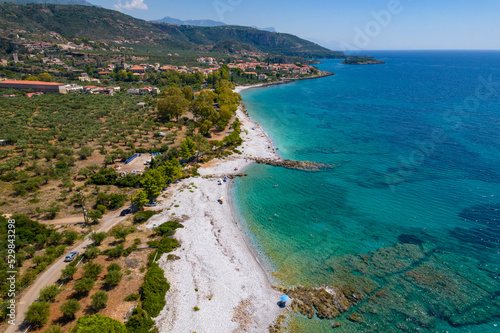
<point x="276" y="185"/>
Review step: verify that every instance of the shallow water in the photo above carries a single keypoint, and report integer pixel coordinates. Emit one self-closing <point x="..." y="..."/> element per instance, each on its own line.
<point x="412" y="207"/>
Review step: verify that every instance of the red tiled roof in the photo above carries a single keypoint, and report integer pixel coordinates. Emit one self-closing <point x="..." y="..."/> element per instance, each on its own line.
<point x="40" y="83"/>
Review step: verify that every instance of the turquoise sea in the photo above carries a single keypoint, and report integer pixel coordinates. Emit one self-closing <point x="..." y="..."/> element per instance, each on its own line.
<point x="410" y="214"/>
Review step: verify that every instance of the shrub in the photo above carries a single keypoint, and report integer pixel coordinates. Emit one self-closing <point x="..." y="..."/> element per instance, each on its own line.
<point x="111" y="201"/>
<point x="84" y="285"/>
<point x="113" y="278"/>
<point x="85" y="152"/>
<point x="99" y="237"/>
<point x="68" y="272"/>
<point x="168" y="228"/>
<point x="92" y="252"/>
<point x="168" y="245"/>
<point x="49" y="293"/>
<point x="101" y="208"/>
<point x="115" y="252"/>
<point x="143" y="216"/>
<point x="98" y="324"/>
<point x="132" y="297"/>
<point x="114" y="267"/>
<point x="153" y="290"/>
<point x="105" y="176"/>
<point x="38" y="314"/>
<point x="70" y="237"/>
<point x="99" y="300"/>
<point x="139" y="321"/>
<point x="70" y="308"/>
<point x="92" y="270"/>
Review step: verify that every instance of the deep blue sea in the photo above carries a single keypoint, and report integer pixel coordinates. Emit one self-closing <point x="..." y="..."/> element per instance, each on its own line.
<point x="410" y="212"/>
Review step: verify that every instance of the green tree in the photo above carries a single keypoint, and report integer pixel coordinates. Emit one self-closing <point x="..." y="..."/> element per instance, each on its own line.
<point x="46" y="77"/>
<point x="99" y="300"/>
<point x="48" y="294"/>
<point x="140" y="199"/>
<point x="92" y="270"/>
<point x="70" y="308"/>
<point x="113" y="278"/>
<point x="153" y="182"/>
<point x="99" y="237"/>
<point x="173" y="104"/>
<point x="205" y="127"/>
<point x="38" y="314"/>
<point x="92" y="252"/>
<point x="98" y="324"/>
<point x="70" y="237"/>
<point x="172" y="169"/>
<point x="68" y="272"/>
<point x="85" y="152"/>
<point x="84" y="285"/>
<point x="188" y="93"/>
<point x="119" y="232"/>
<point x="202" y="144"/>
<point x="188" y="148"/>
<point x="94" y="215"/>
<point x="139" y="321"/>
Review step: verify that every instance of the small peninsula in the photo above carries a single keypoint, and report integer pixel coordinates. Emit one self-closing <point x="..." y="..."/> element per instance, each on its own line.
<point x="362" y="60"/>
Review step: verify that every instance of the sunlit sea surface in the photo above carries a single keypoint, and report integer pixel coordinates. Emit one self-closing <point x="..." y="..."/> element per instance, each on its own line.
<point x="410" y="210"/>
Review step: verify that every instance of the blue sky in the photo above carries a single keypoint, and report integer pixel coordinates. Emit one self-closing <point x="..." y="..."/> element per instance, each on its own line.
<point x="341" y="24"/>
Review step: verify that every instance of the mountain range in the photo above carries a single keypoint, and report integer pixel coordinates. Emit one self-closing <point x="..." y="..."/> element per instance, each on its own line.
<point x="202" y="23"/>
<point x="56" y="2"/>
<point x="199" y="23"/>
<point x="100" y="24"/>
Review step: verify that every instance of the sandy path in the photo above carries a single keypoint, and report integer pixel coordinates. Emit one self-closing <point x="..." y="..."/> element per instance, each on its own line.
<point x="53" y="273"/>
<point x="217" y="271"/>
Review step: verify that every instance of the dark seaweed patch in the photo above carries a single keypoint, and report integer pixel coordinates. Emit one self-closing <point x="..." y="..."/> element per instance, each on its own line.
<point x="484" y="228"/>
<point x="410" y="239"/>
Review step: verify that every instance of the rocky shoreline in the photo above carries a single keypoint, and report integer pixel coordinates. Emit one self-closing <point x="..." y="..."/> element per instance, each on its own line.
<point x="290" y="164"/>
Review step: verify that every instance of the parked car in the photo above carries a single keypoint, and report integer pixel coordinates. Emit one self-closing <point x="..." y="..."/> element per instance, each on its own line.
<point x="125" y="212"/>
<point x="71" y="256"/>
<point x="151" y="204"/>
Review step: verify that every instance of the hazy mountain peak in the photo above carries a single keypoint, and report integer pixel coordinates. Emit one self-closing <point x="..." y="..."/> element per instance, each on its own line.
<point x="57" y="2"/>
<point x="199" y="23"/>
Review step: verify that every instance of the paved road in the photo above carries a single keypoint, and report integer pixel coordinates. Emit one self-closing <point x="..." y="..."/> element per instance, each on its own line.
<point x="53" y="273"/>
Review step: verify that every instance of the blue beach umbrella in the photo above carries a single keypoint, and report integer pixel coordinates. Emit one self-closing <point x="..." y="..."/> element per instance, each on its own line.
<point x="285" y="298"/>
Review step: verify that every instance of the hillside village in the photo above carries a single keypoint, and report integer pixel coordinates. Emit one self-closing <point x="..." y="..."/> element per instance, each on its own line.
<point x="251" y="68"/>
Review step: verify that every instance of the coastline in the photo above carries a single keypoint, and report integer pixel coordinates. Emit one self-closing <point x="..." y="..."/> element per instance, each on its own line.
<point x="284" y="81"/>
<point x="218" y="272"/>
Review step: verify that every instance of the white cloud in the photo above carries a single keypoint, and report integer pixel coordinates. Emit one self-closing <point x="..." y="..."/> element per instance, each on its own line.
<point x="132" y="4"/>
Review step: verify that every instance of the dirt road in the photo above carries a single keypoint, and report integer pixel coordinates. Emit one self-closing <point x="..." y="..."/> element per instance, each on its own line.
<point x="53" y="273"/>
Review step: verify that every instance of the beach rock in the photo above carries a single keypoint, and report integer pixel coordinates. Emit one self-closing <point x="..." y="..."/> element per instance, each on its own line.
<point x="289" y="164"/>
<point x="336" y="324"/>
<point x="326" y="304"/>
<point x="355" y="317"/>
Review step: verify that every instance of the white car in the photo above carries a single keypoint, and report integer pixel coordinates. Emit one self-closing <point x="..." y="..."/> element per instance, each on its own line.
<point x="71" y="256"/>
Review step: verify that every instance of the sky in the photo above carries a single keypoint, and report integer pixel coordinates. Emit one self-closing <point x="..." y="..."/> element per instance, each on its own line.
<point x="345" y="25"/>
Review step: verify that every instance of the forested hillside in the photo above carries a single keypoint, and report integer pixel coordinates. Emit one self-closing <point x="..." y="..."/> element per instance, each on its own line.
<point x="105" y="25"/>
